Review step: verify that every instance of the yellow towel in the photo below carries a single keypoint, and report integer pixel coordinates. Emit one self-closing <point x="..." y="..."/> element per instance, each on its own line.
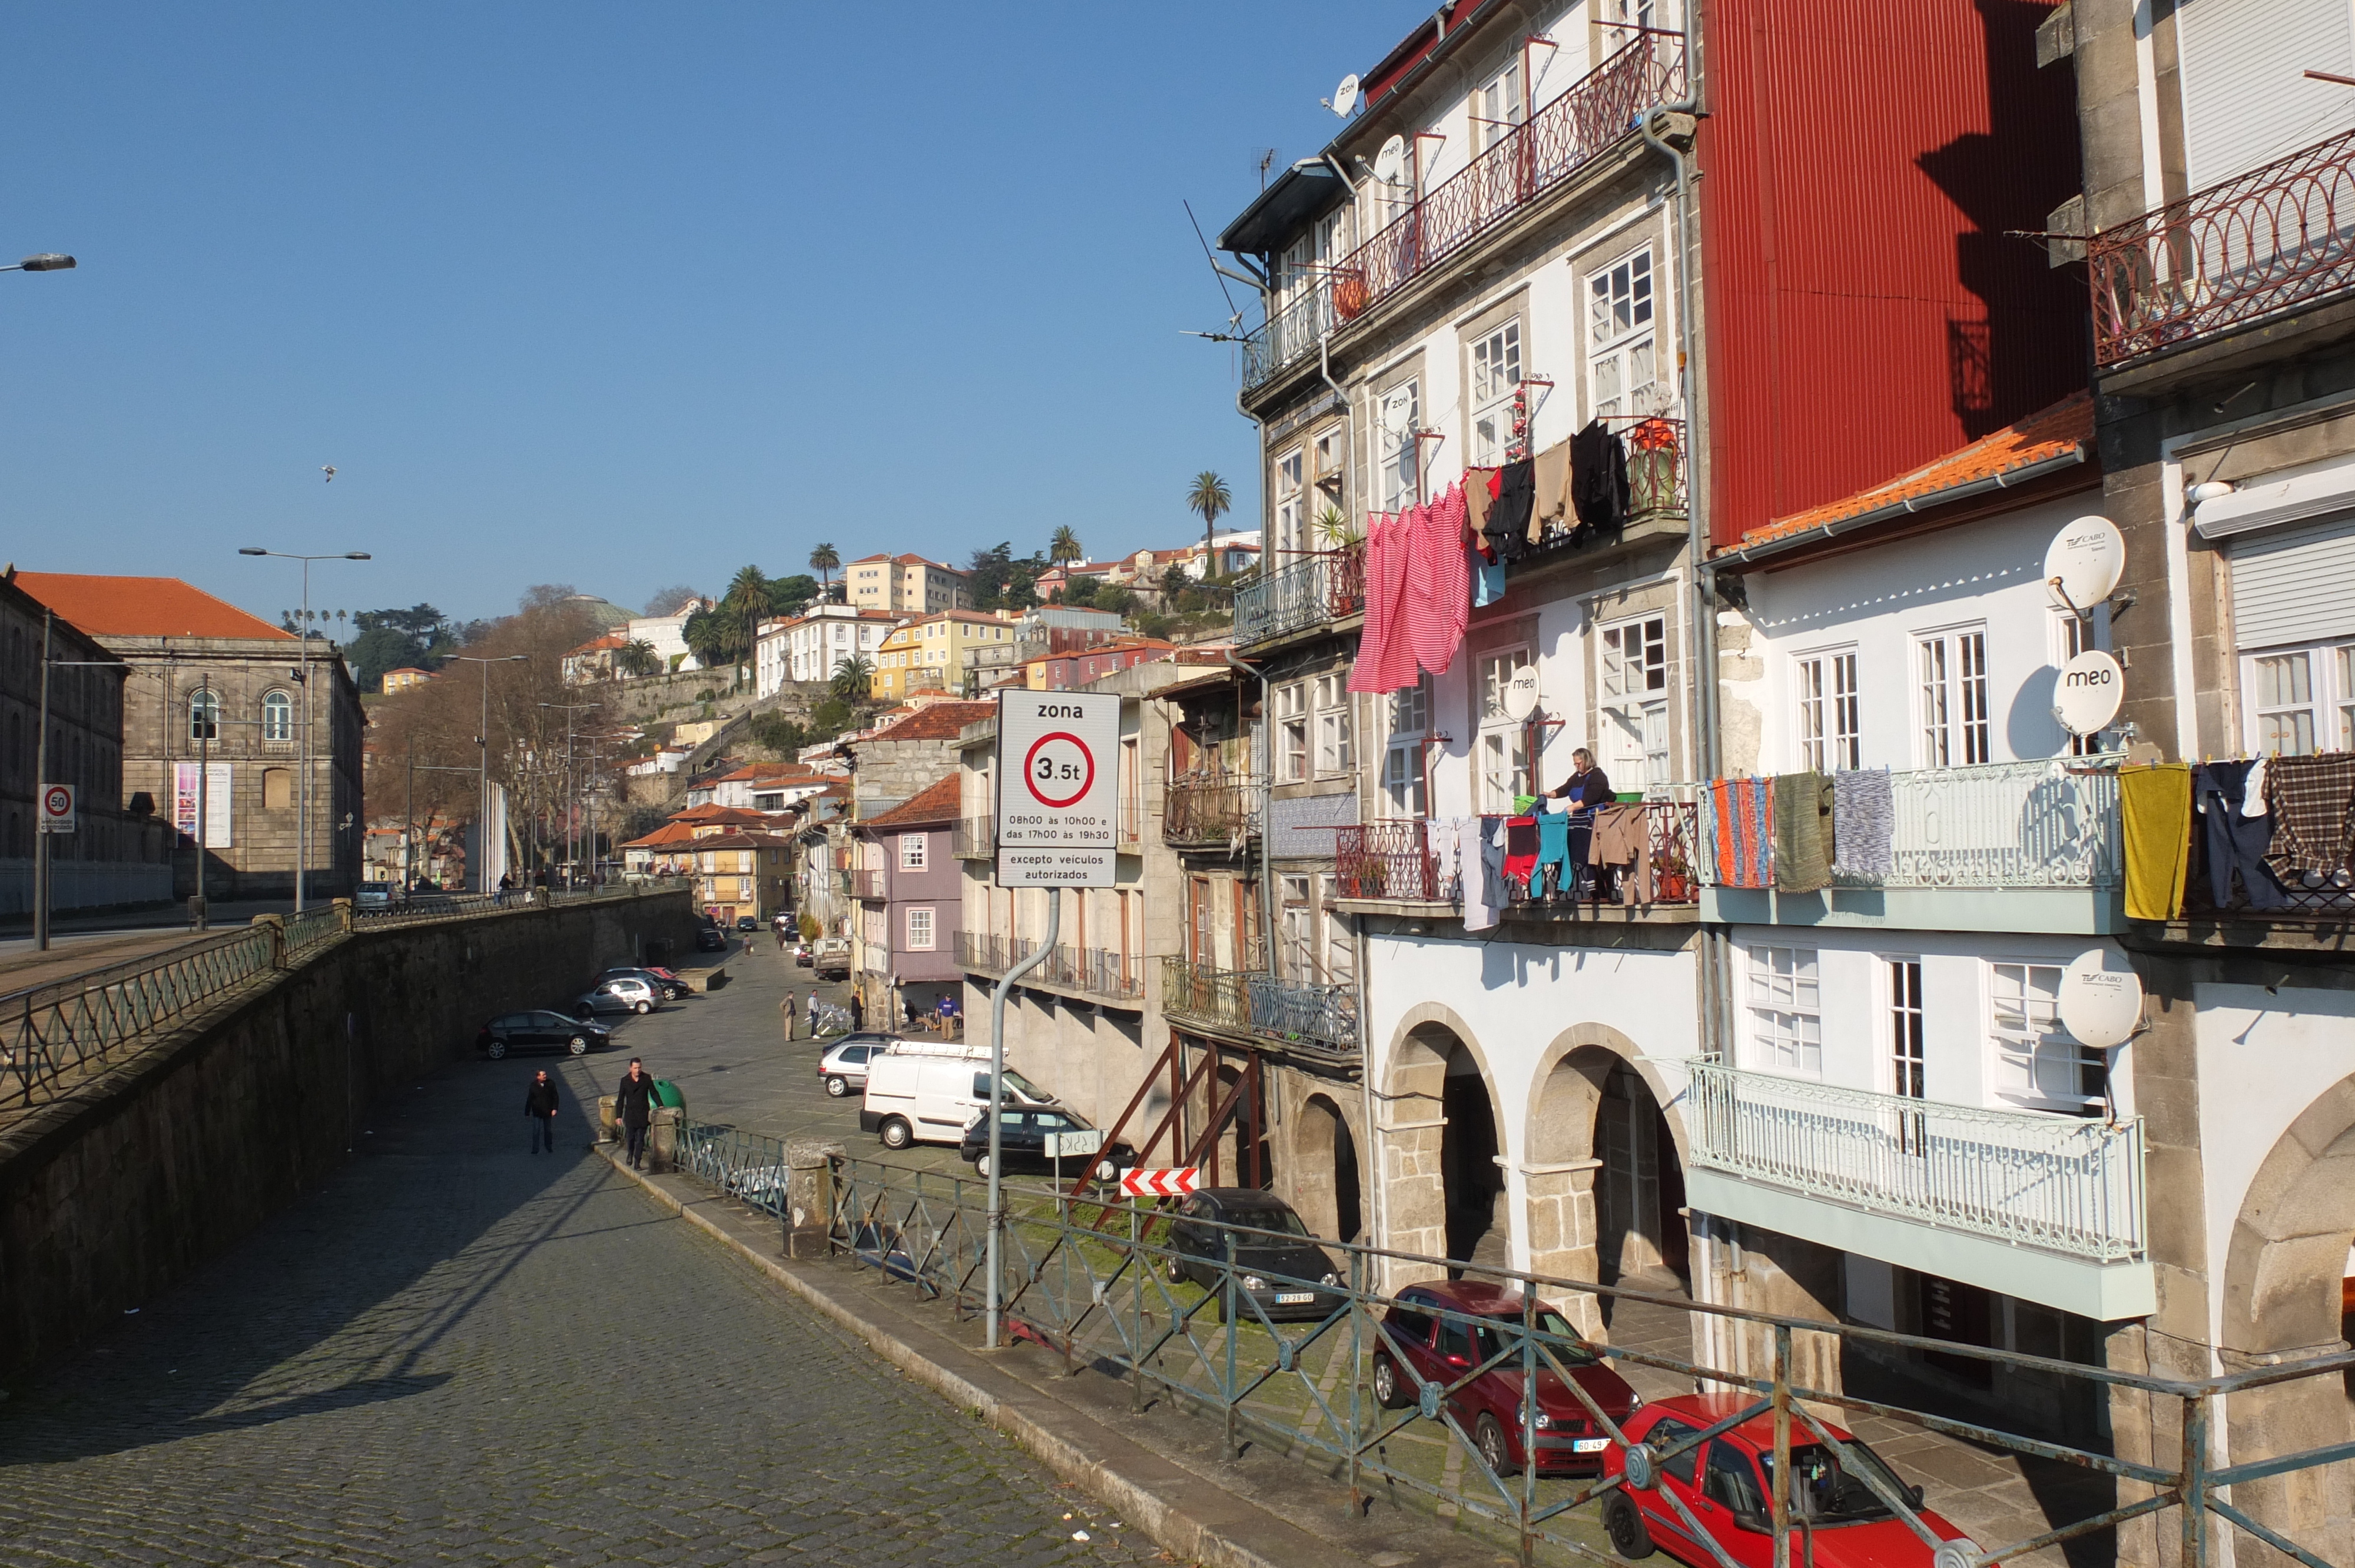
<point x="2156" y="804"/>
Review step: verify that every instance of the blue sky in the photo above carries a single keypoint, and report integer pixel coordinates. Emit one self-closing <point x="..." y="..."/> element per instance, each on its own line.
<point x="622" y="295"/>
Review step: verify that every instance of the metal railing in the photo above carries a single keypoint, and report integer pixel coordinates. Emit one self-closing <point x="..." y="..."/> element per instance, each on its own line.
<point x="1393" y="860"/>
<point x="1316" y="1369"/>
<point x="741" y="1165"/>
<point x="865" y="884"/>
<point x="1389" y="860"/>
<point x="2003" y="824"/>
<point x="1308" y="589"/>
<point x="1097" y="972"/>
<point x="1291" y="335"/>
<point x="1655" y="479"/>
<point x="1210" y="810"/>
<point x="975" y="838"/>
<point x="1320" y="1019"/>
<point x="1213" y="999"/>
<point x="2268" y="241"/>
<point x="2065" y="1184"/>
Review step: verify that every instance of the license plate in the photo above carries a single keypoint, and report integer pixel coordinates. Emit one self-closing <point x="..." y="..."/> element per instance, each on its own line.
<point x="1295" y="1298"/>
<point x="1590" y="1444"/>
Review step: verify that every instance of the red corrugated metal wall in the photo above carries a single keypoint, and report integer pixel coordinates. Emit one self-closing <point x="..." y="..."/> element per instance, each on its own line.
<point x="1864" y="313"/>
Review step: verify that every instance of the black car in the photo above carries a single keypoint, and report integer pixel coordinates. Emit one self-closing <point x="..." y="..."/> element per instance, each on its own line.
<point x="748" y="922"/>
<point x="710" y="939"/>
<point x="1022" y="1140"/>
<point x="540" y="1031"/>
<point x="672" y="990"/>
<point x="1281" y="1272"/>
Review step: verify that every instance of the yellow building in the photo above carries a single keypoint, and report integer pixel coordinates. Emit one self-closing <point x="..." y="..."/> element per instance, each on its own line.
<point x="742" y="874"/>
<point x="939" y="653"/>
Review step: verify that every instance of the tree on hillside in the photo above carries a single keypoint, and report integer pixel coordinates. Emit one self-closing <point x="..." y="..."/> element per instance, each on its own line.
<point x="1207" y="498"/>
<point x="394" y="640"/>
<point x="671" y="600"/>
<point x="746" y="605"/>
<point x="854" y="674"/>
<point x="637" y="658"/>
<point x="706" y="634"/>
<point x="1003" y="580"/>
<point x="1065" y="547"/>
<point x="826" y="560"/>
<point x="791" y="596"/>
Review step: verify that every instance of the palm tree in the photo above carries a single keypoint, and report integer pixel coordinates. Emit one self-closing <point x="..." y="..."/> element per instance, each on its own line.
<point x="638" y="658"/>
<point x="852" y="674"/>
<point x="824" y="561"/>
<point x="1209" y="497"/>
<point x="1065" y="547"/>
<point x="706" y="634"/>
<point x="747" y="605"/>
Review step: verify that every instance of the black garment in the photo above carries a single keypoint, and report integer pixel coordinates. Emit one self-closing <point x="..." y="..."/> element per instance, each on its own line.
<point x="539" y="1100"/>
<point x="2234" y="842"/>
<point x="633" y="1102"/>
<point x="1599" y="491"/>
<point x="1507" y="528"/>
<point x="857" y="1011"/>
<point x="543" y="1134"/>
<point x="1586" y="790"/>
<point x="638" y="1132"/>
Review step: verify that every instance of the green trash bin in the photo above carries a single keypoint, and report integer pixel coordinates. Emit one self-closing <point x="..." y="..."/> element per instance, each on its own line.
<point x="666" y="1094"/>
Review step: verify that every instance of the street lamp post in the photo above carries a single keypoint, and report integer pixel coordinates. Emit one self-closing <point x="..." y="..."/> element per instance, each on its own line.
<point x="483" y="743"/>
<point x="303" y="679"/>
<point x="569" y="710"/>
<point x="47" y="261"/>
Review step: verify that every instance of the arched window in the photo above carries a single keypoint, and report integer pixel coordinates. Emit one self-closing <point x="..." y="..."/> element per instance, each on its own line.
<point x="204" y="716"/>
<point x="277" y="717"/>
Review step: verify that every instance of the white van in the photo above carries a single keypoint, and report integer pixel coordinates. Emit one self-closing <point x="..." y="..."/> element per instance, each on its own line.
<point x="922" y="1093"/>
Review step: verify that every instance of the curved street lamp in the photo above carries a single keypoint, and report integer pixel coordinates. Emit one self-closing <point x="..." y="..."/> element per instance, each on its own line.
<point x="47" y="261"/>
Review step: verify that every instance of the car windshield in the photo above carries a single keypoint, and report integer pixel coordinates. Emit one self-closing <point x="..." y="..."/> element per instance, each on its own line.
<point x="1487" y="1342"/>
<point x="1826" y="1491"/>
<point x="1281" y="1220"/>
<point x="1022" y="1085"/>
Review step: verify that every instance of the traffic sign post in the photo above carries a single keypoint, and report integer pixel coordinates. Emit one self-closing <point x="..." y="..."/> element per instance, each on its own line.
<point x="56" y="814"/>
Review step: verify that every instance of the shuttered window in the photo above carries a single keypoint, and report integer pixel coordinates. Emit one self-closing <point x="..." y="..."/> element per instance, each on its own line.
<point x="2246" y="99"/>
<point x="2294" y="584"/>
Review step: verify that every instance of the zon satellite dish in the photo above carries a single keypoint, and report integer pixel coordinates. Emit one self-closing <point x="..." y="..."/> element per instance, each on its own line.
<point x="2085" y="560"/>
<point x="1345" y="97"/>
<point x="2087" y="696"/>
<point x="1389" y="164"/>
<point x="2101" y="1006"/>
<point x="1522" y="694"/>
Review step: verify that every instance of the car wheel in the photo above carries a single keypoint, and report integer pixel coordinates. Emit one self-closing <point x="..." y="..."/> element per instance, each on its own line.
<point x="642" y="1007"/>
<point x="1177" y="1272"/>
<point x="1389" y="1389"/>
<point x="1624" y="1522"/>
<point x="898" y="1134"/>
<point x="496" y="1048"/>
<point x="1488" y="1435"/>
<point x="838" y="1085"/>
<point x="981" y="1167"/>
<point x="578" y="1045"/>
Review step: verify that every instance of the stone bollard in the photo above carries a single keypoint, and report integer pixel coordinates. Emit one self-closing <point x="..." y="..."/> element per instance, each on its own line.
<point x="609" y="1125"/>
<point x="809" y="1196"/>
<point x="662" y="1138"/>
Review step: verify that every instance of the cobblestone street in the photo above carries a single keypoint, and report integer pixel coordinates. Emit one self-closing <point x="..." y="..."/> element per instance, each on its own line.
<point x="455" y="1352"/>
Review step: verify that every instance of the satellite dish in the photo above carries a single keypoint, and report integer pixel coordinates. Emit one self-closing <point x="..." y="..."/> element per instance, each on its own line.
<point x="1389" y="164"/>
<point x="2087" y="696"/>
<point x="2100" y="1005"/>
<point x="1345" y="97"/>
<point x="2086" y="560"/>
<point x="1522" y="694"/>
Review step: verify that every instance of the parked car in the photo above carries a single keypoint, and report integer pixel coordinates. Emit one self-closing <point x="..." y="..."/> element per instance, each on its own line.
<point x="802" y="955"/>
<point x="540" y="1031"/>
<point x="920" y="1093"/>
<point x="373" y="896"/>
<point x="831" y="957"/>
<point x="1022" y="1140"/>
<point x="1420" y="1347"/>
<point x="1725" y="1483"/>
<point x="710" y="939"/>
<point x="1287" y="1274"/>
<point x="844" y="1064"/>
<point x="670" y="988"/>
<point x="617" y="996"/>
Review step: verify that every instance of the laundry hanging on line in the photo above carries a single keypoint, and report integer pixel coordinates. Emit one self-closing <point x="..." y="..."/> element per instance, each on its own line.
<point x="1418" y="596"/>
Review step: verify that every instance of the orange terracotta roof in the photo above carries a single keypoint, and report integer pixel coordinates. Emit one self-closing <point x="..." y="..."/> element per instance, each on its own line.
<point x="2065" y="427"/>
<point x="596" y="645"/>
<point x="939" y="802"/>
<point x="709" y="813"/>
<point x="668" y="833"/>
<point x="941" y="721"/>
<point x="143" y="607"/>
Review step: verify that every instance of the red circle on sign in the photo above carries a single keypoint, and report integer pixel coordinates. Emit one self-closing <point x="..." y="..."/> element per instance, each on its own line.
<point x="1030" y="783"/>
<point x="56" y="800"/>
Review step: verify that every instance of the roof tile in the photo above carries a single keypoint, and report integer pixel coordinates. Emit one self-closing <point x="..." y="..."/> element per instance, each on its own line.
<point x="144" y="607"/>
<point x="937" y="802"/>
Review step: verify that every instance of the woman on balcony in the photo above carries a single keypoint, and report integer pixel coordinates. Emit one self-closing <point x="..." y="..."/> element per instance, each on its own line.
<point x="1587" y="788"/>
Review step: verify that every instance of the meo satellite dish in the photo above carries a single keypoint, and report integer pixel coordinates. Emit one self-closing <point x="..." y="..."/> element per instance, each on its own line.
<point x="1522" y="694"/>
<point x="2101" y="1006"/>
<point x="1345" y="97"/>
<point x="1389" y="164"/>
<point x="2085" y="560"/>
<point x="2086" y="694"/>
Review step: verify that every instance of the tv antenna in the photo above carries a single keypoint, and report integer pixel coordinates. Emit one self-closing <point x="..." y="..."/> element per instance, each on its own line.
<point x="1266" y="162"/>
<point x="1234" y="312"/>
<point x="1389" y="164"/>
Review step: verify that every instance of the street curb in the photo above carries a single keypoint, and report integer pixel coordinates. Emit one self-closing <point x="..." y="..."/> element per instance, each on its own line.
<point x="1069" y="1442"/>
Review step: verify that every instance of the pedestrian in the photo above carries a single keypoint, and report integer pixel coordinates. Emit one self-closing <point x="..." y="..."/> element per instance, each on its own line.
<point x="539" y="1104"/>
<point x="633" y="1102"/>
<point x="813" y="1012"/>
<point x="857" y="1011"/>
<point x="786" y="1006"/>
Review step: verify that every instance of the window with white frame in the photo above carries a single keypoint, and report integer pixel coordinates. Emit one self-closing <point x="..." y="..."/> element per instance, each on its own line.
<point x="1498" y="106"/>
<point x="1292" y="732"/>
<point x="2300" y="701"/>
<point x="277" y="717"/>
<point x="1327" y="451"/>
<point x="1333" y="727"/>
<point x="1495" y="375"/>
<point x="1340" y="958"/>
<point x="1299" y="929"/>
<point x="1825" y="701"/>
<point x="1951" y="693"/>
<point x="1621" y="364"/>
<point x="912" y="848"/>
<point x="204" y="716"/>
<point x="1634" y="676"/>
<point x="1398" y="456"/>
<point x="920" y="930"/>
<point x="1502" y="752"/>
<point x="1786" y="1021"/>
<point x="1291" y="505"/>
<point x="2036" y="1057"/>
<point x="1908" y="1034"/>
<point x="1405" y="793"/>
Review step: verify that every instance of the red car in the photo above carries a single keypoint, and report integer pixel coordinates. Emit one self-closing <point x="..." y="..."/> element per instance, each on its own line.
<point x="1439" y="1351"/>
<point x="1724" y="1482"/>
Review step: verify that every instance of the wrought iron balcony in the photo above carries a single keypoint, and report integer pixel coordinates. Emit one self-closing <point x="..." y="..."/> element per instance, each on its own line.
<point x="865" y="884"/>
<point x="1321" y="1020"/>
<point x="1093" y="972"/>
<point x="2065" y="1183"/>
<point x="1656" y="481"/>
<point x="1307" y="590"/>
<point x="2265" y="243"/>
<point x="1209" y="810"/>
<point x="1393" y="861"/>
<point x="975" y="838"/>
<point x="1526" y="164"/>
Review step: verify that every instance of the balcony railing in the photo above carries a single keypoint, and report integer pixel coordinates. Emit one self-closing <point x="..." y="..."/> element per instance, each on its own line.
<point x="2267" y="241"/>
<point x="866" y="884"/>
<point x="1655" y="478"/>
<point x="1390" y="860"/>
<point x="1094" y="971"/>
<point x="1209" y="810"/>
<point x="2064" y="1183"/>
<point x="1307" y="590"/>
<point x="974" y="838"/>
<point x="1525" y="164"/>
<point x="1393" y="860"/>
<point x="1319" y="1019"/>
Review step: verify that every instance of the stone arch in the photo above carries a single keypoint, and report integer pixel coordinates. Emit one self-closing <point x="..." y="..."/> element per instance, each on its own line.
<point x="1410" y="1135"/>
<point x="1326" y="1183"/>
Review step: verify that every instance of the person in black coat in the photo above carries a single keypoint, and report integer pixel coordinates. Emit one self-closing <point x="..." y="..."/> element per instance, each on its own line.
<point x="539" y="1105"/>
<point x="633" y="1102"/>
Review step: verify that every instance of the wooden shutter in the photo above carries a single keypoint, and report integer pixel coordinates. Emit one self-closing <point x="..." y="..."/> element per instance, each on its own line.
<point x="2246" y="99"/>
<point x="2295" y="584"/>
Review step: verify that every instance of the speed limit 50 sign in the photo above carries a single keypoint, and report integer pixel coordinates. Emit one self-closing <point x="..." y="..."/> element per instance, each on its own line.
<point x="1058" y="787"/>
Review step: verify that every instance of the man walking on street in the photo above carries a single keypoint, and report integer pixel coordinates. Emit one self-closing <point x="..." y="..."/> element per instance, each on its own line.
<point x="857" y="1011"/>
<point x="633" y="1102"/>
<point x="813" y="1012"/>
<point x="539" y="1104"/>
<point x="786" y="1007"/>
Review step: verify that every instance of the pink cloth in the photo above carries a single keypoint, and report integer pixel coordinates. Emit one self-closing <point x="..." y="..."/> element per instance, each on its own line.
<point x="1384" y="663"/>
<point x="1438" y="605"/>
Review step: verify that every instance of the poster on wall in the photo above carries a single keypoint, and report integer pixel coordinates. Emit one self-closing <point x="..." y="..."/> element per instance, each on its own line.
<point x="219" y="800"/>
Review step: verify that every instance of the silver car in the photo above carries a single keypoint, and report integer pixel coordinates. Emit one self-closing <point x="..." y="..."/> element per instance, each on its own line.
<point x="619" y="995"/>
<point x="844" y="1064"/>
